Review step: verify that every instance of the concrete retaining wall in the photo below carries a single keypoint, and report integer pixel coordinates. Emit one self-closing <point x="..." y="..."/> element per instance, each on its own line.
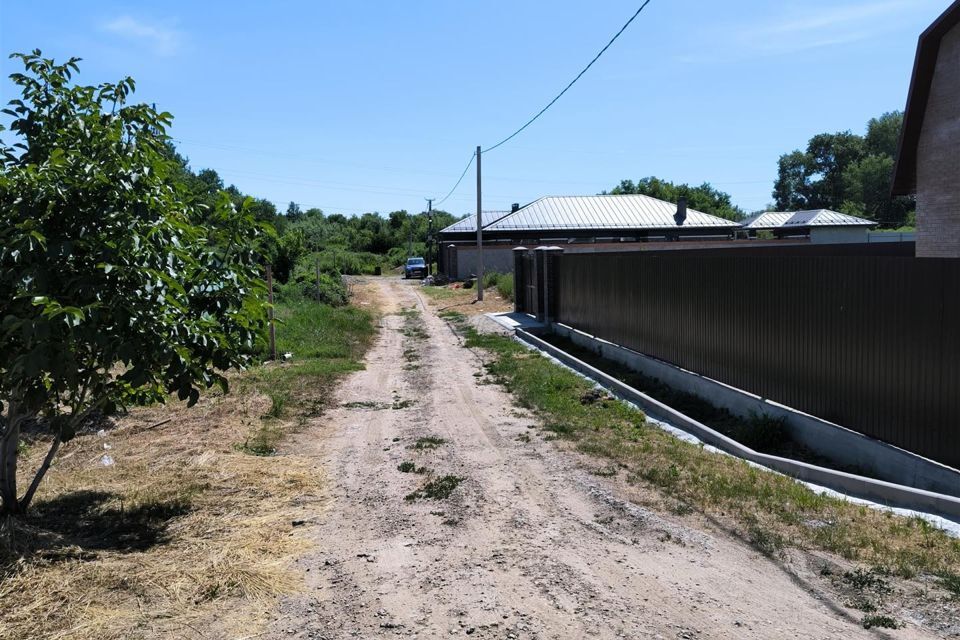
<point x="846" y="447"/>
<point x="887" y="493"/>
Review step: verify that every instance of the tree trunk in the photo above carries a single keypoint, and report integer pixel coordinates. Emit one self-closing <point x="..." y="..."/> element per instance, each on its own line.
<point x="42" y="471"/>
<point x="9" y="443"/>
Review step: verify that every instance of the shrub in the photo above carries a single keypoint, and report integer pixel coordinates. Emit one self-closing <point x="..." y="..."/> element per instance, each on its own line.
<point x="502" y="282"/>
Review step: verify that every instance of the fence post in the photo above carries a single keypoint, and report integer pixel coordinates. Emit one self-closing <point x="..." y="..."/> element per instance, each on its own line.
<point x="519" y="280"/>
<point x="452" y="266"/>
<point x="542" y="258"/>
<point x="549" y="281"/>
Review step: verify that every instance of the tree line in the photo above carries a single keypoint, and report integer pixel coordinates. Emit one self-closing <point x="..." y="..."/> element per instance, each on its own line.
<point x="844" y="172"/>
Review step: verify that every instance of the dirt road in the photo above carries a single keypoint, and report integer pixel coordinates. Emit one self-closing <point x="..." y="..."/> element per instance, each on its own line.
<point x="529" y="545"/>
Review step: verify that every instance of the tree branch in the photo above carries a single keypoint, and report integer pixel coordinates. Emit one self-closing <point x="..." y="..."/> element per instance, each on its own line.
<point x="42" y="471"/>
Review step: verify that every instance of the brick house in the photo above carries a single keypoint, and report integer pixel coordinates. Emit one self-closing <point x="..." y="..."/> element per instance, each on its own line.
<point x="928" y="159"/>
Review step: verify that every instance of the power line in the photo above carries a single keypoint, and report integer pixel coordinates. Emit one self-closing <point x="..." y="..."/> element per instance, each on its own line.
<point x="572" y="82"/>
<point x="551" y="103"/>
<point x="460" y="179"/>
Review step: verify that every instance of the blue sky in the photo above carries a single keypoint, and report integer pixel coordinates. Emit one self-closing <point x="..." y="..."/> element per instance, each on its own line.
<point x="373" y="106"/>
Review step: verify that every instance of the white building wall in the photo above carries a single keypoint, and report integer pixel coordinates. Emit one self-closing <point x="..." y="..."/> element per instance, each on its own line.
<point x="838" y="235"/>
<point x="499" y="259"/>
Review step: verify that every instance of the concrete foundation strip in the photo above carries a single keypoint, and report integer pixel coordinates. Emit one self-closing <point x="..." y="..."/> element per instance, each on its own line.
<point x="885" y="493"/>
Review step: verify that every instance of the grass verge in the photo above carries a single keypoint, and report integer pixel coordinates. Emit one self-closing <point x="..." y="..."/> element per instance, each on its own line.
<point x="760" y="432"/>
<point x="183" y="533"/>
<point x="768" y="509"/>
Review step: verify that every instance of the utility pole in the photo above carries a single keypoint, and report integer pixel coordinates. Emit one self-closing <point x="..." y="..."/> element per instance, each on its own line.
<point x="479" y="234"/>
<point x="429" y="236"/>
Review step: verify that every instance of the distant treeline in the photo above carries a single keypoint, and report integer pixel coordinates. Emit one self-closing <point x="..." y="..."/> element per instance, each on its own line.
<point x="309" y="242"/>
<point x="843" y="172"/>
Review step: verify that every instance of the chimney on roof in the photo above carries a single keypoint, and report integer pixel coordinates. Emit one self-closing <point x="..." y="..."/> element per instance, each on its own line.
<point x="515" y="207"/>
<point x="681" y="213"/>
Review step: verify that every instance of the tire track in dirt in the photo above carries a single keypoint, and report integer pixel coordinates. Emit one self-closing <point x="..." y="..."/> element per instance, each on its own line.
<point x="530" y="545"/>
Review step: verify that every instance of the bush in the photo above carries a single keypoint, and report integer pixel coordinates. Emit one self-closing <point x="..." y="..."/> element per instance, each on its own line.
<point x="502" y="282"/>
<point x="338" y="261"/>
<point x="327" y="290"/>
<point x="505" y="287"/>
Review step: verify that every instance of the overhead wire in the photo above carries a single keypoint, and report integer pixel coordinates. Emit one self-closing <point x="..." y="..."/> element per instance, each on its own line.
<point x="572" y="82"/>
<point x="552" y="102"/>
<point x="459" y="180"/>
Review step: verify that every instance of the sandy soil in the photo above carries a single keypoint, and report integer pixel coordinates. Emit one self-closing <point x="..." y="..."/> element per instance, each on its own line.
<point x="530" y="545"/>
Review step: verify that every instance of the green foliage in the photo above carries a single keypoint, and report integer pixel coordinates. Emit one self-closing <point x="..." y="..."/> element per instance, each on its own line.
<point x="846" y="172"/>
<point x="116" y="287"/>
<point x="325" y="343"/>
<point x="882" y="622"/>
<point x="950" y="581"/>
<point x="359" y="244"/>
<point x="309" y="330"/>
<point x="704" y="198"/>
<point x="322" y="288"/>
<point x="766" y="542"/>
<point x="502" y="282"/>
<point x="427" y="442"/>
<point x="439" y="489"/>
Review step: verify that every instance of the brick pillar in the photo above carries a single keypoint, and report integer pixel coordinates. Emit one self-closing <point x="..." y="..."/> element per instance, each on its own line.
<point x="543" y="259"/>
<point x="551" y="256"/>
<point x="452" y="267"/>
<point x="519" y="280"/>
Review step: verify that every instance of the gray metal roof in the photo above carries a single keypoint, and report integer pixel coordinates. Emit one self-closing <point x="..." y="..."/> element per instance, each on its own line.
<point x="603" y="212"/>
<point x="811" y="218"/>
<point x="469" y="223"/>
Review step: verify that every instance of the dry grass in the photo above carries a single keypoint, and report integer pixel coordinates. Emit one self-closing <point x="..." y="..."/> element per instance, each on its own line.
<point x="157" y="544"/>
<point x="186" y="535"/>
<point x="464" y="300"/>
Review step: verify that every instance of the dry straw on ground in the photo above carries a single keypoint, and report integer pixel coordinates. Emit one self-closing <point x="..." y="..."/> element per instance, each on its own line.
<point x="183" y="536"/>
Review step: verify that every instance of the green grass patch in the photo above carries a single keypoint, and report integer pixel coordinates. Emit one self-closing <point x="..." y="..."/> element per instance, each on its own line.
<point x="442" y="293"/>
<point x="366" y="404"/>
<point x="768" y="509"/>
<point x="410" y="467"/>
<point x="950" y="581"/>
<point x="278" y="403"/>
<point x="439" y="489"/>
<point x="766" y="542"/>
<point x="502" y="282"/>
<point x="880" y="622"/>
<point x="326" y="343"/>
<point x="427" y="442"/>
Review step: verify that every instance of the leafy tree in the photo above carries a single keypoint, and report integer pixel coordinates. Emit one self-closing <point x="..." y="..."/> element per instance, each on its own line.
<point x="883" y="134"/>
<point x="846" y="172"/>
<point x="704" y="198"/>
<point x="867" y="191"/>
<point x="293" y="212"/>
<point x="115" y="288"/>
<point x="830" y="154"/>
<point x="792" y="190"/>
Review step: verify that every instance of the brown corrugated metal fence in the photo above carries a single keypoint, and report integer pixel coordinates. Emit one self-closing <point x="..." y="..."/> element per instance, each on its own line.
<point x="869" y="342"/>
